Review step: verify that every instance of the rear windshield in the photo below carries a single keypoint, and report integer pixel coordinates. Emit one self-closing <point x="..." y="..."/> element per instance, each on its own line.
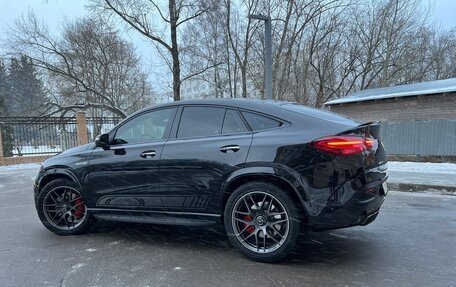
<point x="316" y="113"/>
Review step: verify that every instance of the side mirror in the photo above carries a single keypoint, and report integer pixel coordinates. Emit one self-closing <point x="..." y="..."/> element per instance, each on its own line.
<point x="102" y="141"/>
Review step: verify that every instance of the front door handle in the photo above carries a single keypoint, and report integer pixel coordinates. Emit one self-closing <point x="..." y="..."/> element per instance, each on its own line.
<point x="148" y="154"/>
<point x="230" y="148"/>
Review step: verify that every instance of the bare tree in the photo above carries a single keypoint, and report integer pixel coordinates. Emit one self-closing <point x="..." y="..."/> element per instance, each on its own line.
<point x="142" y="16"/>
<point x="240" y="41"/>
<point x="90" y="66"/>
<point x="323" y="49"/>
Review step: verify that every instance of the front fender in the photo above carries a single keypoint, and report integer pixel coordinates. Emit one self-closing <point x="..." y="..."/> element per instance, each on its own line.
<point x="64" y="172"/>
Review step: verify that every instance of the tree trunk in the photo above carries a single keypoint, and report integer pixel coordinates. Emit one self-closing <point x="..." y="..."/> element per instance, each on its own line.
<point x="244" y="81"/>
<point x="174" y="50"/>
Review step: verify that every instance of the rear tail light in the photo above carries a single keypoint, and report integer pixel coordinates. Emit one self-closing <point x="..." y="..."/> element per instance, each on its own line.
<point x="345" y="145"/>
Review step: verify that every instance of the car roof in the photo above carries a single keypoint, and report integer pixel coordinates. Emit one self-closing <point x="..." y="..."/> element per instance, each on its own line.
<point x="263" y="106"/>
<point x="239" y="103"/>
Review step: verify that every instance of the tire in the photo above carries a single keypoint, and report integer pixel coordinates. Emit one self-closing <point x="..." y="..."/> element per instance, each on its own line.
<point x="262" y="221"/>
<point x="69" y="216"/>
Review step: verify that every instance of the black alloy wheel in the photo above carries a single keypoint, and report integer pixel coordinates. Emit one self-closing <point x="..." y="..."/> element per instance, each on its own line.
<point x="62" y="209"/>
<point x="262" y="221"/>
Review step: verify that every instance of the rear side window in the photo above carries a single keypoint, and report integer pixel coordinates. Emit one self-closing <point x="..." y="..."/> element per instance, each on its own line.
<point x="258" y="122"/>
<point x="233" y="123"/>
<point x="200" y="121"/>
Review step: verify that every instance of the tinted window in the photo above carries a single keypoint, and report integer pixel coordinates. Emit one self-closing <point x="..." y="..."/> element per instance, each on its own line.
<point x="200" y="121"/>
<point x="258" y="122"/>
<point x="146" y="127"/>
<point x="233" y="123"/>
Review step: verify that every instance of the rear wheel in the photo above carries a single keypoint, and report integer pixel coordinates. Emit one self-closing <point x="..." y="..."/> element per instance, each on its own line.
<point x="62" y="209"/>
<point x="262" y="221"/>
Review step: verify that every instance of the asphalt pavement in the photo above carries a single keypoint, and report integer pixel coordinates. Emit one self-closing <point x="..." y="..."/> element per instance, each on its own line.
<point x="412" y="243"/>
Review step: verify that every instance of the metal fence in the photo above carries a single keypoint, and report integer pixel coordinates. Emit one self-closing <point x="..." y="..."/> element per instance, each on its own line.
<point x="100" y="125"/>
<point x="37" y="136"/>
<point x="32" y="136"/>
<point x="435" y="137"/>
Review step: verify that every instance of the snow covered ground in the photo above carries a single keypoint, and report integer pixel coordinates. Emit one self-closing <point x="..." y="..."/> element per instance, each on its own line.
<point x="30" y="150"/>
<point x="422" y="173"/>
<point x="422" y="166"/>
<point x="20" y="167"/>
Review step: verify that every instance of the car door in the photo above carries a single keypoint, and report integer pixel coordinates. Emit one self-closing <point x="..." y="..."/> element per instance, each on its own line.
<point x="127" y="174"/>
<point x="209" y="143"/>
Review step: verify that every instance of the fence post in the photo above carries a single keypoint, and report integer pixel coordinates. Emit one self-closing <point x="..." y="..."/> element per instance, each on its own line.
<point x="1" y="146"/>
<point x="81" y="128"/>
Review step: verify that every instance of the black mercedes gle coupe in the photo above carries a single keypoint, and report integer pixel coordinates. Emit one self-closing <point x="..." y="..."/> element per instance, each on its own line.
<point x="263" y="169"/>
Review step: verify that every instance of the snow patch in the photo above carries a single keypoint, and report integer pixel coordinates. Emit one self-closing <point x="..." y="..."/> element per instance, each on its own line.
<point x="20" y="166"/>
<point x="422" y="166"/>
<point x="73" y="270"/>
<point x="32" y="150"/>
<point x="77" y="266"/>
<point x="424" y="88"/>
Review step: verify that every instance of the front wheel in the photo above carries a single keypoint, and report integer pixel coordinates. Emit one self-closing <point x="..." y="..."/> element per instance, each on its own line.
<point x="262" y="221"/>
<point x="62" y="209"/>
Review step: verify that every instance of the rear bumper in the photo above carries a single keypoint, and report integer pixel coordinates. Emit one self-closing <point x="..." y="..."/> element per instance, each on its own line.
<point x="361" y="208"/>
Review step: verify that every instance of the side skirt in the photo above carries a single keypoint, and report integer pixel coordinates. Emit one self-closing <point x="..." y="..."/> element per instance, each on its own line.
<point x="156" y="217"/>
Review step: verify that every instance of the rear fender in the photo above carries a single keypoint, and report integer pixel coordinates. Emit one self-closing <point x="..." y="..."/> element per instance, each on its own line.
<point x="277" y="172"/>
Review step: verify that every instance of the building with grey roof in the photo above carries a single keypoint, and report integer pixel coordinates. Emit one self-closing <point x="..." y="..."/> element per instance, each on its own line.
<point x="421" y="101"/>
<point x="418" y="119"/>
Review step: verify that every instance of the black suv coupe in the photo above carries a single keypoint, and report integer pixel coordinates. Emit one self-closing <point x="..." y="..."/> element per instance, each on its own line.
<point x="263" y="169"/>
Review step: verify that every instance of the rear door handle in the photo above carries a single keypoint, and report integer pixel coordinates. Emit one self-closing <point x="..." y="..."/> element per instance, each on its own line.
<point x="148" y="154"/>
<point x="230" y="148"/>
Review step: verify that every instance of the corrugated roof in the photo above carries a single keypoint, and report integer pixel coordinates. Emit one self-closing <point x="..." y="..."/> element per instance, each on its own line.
<point x="425" y="88"/>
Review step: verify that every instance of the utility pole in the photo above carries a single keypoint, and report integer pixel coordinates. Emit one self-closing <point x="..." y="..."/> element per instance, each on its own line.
<point x="267" y="54"/>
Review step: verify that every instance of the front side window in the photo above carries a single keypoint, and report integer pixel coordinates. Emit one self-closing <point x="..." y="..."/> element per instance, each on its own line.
<point x="147" y="127"/>
<point x="200" y="121"/>
<point x="258" y="122"/>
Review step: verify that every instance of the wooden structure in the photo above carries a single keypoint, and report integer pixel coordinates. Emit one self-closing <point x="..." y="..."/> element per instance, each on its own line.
<point x="415" y="118"/>
<point x="423" y="101"/>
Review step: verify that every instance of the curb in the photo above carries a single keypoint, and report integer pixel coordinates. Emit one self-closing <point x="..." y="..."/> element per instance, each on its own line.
<point x="410" y="187"/>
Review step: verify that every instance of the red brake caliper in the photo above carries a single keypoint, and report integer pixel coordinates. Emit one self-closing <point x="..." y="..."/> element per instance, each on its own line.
<point x="80" y="208"/>
<point x="249" y="229"/>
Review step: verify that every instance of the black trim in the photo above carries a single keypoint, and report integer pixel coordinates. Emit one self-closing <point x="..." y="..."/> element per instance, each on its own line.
<point x="157" y="219"/>
<point x="282" y="122"/>
<point x="176" y="121"/>
<point x="243" y="120"/>
<point x="155" y="211"/>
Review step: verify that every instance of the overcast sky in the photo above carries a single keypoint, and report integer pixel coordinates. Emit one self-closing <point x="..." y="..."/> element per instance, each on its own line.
<point x="53" y="12"/>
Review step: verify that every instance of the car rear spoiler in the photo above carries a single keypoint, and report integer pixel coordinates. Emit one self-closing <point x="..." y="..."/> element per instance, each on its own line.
<point x="369" y="128"/>
<point x="374" y="123"/>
